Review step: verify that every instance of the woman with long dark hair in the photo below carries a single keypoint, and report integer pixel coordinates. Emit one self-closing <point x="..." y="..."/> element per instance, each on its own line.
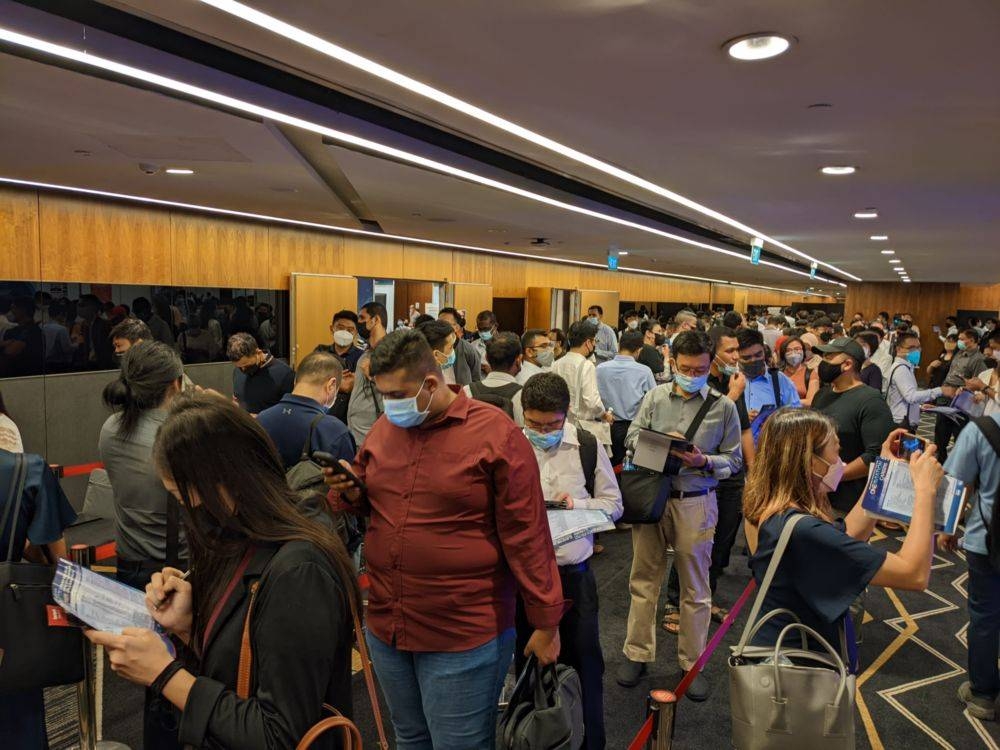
<point x="250" y="547"/>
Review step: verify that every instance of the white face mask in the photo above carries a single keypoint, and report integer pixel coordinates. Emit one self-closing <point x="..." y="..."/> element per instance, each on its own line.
<point x="343" y="338"/>
<point x="633" y="324"/>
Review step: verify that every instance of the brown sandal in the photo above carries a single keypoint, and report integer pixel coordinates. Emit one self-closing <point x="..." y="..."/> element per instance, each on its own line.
<point x="672" y="620"/>
<point x="719" y="614"/>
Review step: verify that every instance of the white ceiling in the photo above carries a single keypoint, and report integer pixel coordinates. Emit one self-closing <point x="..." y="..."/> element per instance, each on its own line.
<point x="641" y="84"/>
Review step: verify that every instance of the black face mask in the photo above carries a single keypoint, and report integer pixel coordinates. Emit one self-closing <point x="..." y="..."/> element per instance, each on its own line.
<point x="207" y="524"/>
<point x="363" y="331"/>
<point x="250" y="370"/>
<point x="659" y="340"/>
<point x="826" y="337"/>
<point x="754" y="369"/>
<point x="828" y="372"/>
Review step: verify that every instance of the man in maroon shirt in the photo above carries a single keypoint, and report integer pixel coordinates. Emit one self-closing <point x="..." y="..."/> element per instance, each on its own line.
<point x="457" y="528"/>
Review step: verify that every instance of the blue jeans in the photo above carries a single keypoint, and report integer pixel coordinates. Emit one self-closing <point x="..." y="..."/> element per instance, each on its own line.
<point x="443" y="699"/>
<point x="984" y="626"/>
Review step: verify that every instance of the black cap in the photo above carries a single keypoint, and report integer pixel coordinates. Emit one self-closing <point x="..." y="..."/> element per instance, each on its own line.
<point x="842" y="346"/>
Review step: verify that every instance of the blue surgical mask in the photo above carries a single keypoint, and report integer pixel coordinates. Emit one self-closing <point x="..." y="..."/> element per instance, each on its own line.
<point x="727" y="369"/>
<point x="689" y="384"/>
<point x="403" y="412"/>
<point x="962" y="345"/>
<point x="486" y="335"/>
<point x="594" y="319"/>
<point x="543" y="440"/>
<point x="450" y="362"/>
<point x="913" y="357"/>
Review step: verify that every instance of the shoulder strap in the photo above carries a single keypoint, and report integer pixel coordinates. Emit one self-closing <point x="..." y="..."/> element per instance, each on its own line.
<point x="17" y="481"/>
<point x="991" y="431"/>
<point x="476" y="388"/>
<point x="888" y="383"/>
<point x="307" y="446"/>
<point x="692" y="429"/>
<point x="588" y="457"/>
<point x="772" y="568"/>
<point x="777" y="388"/>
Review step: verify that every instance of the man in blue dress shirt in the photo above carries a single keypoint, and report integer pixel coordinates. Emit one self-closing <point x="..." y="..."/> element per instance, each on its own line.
<point x="607" y="339"/>
<point x="761" y="382"/>
<point x="622" y="383"/>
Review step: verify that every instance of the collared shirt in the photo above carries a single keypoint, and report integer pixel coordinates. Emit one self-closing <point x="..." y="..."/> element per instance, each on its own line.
<point x="457" y="527"/>
<point x="496" y="380"/>
<point x="760" y="392"/>
<point x="581" y="376"/>
<point x="607" y="343"/>
<point x="365" y="405"/>
<point x="528" y="369"/>
<point x="288" y="422"/>
<point x="964" y="364"/>
<point x="562" y="471"/>
<point x="903" y="396"/>
<point x="718" y="437"/>
<point x="974" y="460"/>
<point x="771" y="336"/>
<point x="622" y="383"/>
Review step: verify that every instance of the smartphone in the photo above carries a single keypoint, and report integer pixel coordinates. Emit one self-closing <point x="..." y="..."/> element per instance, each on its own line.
<point x="328" y="461"/>
<point x="907" y="445"/>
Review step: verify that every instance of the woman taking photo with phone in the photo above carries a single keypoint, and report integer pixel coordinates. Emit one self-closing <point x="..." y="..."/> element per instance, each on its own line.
<point x="249" y="545"/>
<point x="828" y="562"/>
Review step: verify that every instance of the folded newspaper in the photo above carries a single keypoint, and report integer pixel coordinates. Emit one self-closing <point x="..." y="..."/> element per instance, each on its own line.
<point x="98" y="601"/>
<point x="569" y="525"/>
<point x="890" y="495"/>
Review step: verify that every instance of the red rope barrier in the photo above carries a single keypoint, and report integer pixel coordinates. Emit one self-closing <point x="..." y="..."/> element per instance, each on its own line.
<point x="80" y="469"/>
<point x="643" y="736"/>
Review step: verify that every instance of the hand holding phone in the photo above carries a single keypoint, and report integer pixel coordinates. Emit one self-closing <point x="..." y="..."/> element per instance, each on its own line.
<point x="907" y="444"/>
<point x="337" y="474"/>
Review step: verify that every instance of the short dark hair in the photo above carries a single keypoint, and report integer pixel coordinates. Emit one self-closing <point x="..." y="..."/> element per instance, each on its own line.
<point x="486" y="315"/>
<point x="459" y="318"/>
<point x="377" y="310"/>
<point x="631" y="341"/>
<point x="629" y="314"/>
<point x="318" y="367"/>
<point x="547" y="392"/>
<point x="503" y="350"/>
<point x="130" y="329"/>
<point x="581" y="331"/>
<point x="776" y="320"/>
<point x="404" y="349"/>
<point x="822" y="322"/>
<point x="693" y="344"/>
<point x="732" y="319"/>
<point x="424" y="318"/>
<point x="436" y="332"/>
<point x="600" y="310"/>
<point x="241" y="345"/>
<point x="530" y="335"/>
<point x="346" y="315"/>
<point x="969" y="334"/>
<point x="872" y="340"/>
<point x="717" y="333"/>
<point x="646" y="325"/>
<point x="748" y="337"/>
<point x="902" y="338"/>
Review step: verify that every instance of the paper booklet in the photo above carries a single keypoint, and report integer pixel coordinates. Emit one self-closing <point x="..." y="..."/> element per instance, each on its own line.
<point x="961" y="407"/>
<point x="889" y="494"/>
<point x="652" y="450"/>
<point x="100" y="602"/>
<point x="569" y="525"/>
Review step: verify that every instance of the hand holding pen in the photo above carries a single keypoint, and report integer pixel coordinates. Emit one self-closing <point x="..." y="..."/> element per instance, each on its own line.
<point x="168" y="599"/>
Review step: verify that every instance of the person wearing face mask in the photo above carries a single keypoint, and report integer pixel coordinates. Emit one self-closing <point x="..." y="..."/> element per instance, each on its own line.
<point x="862" y="416"/>
<point x="347" y="348"/>
<point x="871" y="373"/>
<point x="902" y="394"/>
<point x="986" y="385"/>
<point x="631" y="320"/>
<point x="764" y="387"/>
<point x="967" y="363"/>
<point x="443" y="341"/>
<point x="989" y="328"/>
<point x="685" y="320"/>
<point x="938" y="368"/>
<point x="828" y="562"/>
<point x="791" y="361"/>
<point x="606" y="338"/>
<point x="585" y="405"/>
<point x="654" y="342"/>
<point x="305" y="412"/>
<point x="457" y="520"/>
<point x="565" y="456"/>
<point x="468" y="362"/>
<point x="365" y="405"/>
<point x="560" y="344"/>
<point x="689" y="519"/>
<point x="486" y="329"/>
<point x="539" y="354"/>
<point x="259" y="380"/>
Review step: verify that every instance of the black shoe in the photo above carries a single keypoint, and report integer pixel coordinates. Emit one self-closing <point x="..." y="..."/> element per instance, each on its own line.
<point x="630" y="672"/>
<point x="699" y="689"/>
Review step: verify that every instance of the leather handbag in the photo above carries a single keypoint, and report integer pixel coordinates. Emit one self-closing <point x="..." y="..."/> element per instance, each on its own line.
<point x="545" y="710"/>
<point x="33" y="655"/>
<point x="350" y="735"/>
<point x="787" y="698"/>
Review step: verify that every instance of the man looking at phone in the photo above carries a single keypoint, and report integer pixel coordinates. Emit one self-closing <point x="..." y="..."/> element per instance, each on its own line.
<point x="967" y="363"/>
<point x="902" y="394"/>
<point x="688" y="523"/>
<point x="457" y="529"/>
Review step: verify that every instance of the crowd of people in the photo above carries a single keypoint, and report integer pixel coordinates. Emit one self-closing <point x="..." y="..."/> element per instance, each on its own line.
<point x="444" y="449"/>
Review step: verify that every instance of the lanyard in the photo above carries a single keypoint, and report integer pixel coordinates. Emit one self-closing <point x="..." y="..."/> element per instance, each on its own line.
<point x="217" y="610"/>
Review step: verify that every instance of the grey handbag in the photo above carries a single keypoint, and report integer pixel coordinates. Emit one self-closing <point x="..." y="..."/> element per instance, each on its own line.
<point x="784" y="704"/>
<point x="545" y="710"/>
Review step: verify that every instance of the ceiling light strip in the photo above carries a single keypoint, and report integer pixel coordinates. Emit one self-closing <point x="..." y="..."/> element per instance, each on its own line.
<point x="198" y="92"/>
<point x="363" y="232"/>
<point x="300" y="36"/>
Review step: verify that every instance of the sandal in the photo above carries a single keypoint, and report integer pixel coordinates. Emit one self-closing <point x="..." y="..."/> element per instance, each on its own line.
<point x="672" y="619"/>
<point x="719" y="614"/>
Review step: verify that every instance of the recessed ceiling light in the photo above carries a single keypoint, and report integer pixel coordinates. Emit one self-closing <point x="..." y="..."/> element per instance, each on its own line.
<point x="879" y="237"/>
<point x="895" y="260"/>
<point x="759" y="46"/>
<point x="177" y="170"/>
<point x="888" y="252"/>
<point x="623" y="252"/>
<point x="906" y="281"/>
<point x="839" y="170"/>
<point x="868" y="213"/>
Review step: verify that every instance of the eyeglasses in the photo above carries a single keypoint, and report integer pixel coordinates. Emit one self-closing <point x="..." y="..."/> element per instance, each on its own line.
<point x="691" y="373"/>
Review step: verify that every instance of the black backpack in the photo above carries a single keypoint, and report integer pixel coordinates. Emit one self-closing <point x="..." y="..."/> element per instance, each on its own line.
<point x="991" y="430"/>
<point x="500" y="396"/>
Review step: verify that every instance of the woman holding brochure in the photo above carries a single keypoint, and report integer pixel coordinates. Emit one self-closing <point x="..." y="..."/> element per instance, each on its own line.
<point x="828" y="562"/>
<point x="250" y="547"/>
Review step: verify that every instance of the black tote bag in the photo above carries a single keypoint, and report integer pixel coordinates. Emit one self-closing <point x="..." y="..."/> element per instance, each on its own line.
<point x="32" y="654"/>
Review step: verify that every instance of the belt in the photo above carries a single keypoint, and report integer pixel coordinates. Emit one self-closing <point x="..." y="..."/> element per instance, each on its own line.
<point x="680" y="495"/>
<point x="581" y="567"/>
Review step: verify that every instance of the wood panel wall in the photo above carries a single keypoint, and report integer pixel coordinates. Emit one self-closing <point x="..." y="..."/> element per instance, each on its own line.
<point x="929" y="303"/>
<point x="979" y="297"/>
<point x="53" y="237"/>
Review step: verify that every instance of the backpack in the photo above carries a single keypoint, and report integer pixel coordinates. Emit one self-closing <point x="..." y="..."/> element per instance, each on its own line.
<point x="588" y="457"/>
<point x="991" y="431"/>
<point x="500" y="396"/>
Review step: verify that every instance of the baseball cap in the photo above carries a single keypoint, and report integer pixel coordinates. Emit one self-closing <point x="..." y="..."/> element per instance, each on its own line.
<point x="842" y="346"/>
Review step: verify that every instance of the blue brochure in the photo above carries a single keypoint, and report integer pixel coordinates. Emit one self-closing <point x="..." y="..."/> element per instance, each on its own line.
<point x="890" y="495"/>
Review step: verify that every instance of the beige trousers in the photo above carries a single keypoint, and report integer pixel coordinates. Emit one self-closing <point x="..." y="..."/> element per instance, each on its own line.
<point x="687" y="525"/>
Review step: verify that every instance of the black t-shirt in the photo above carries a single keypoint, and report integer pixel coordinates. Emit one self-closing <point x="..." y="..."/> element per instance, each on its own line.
<point x="265" y="387"/>
<point x="821" y="573"/>
<point x="652" y="358"/>
<point x="863" y="423"/>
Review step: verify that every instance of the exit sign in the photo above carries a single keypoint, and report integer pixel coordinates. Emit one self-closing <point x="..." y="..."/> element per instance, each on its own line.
<point x="612" y="261"/>
<point x="755" y="248"/>
<point x="812" y="270"/>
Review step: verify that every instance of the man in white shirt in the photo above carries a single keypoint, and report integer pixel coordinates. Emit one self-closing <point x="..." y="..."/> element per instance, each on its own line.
<point x="575" y="475"/>
<point x="606" y="338"/>
<point x="902" y="394"/>
<point x="772" y="331"/>
<point x="500" y="387"/>
<point x="585" y="405"/>
<point x="538" y="354"/>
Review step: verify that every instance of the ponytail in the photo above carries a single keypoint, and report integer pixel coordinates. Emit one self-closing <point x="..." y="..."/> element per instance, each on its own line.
<point x="148" y="370"/>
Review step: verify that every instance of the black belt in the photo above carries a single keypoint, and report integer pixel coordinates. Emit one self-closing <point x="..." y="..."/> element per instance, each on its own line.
<point x="680" y="495"/>
<point x="582" y="567"/>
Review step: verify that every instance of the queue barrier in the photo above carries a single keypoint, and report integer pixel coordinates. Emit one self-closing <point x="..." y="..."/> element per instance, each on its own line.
<point x="657" y="731"/>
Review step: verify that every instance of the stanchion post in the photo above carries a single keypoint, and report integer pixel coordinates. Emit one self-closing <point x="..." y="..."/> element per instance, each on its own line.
<point x="85" y="689"/>
<point x="663" y="704"/>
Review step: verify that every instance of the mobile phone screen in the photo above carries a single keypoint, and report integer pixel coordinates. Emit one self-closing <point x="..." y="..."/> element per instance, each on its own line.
<point x="908" y="445"/>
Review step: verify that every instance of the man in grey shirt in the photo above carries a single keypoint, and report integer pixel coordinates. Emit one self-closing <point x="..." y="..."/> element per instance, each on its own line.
<point x="688" y="523"/>
<point x="967" y="363"/>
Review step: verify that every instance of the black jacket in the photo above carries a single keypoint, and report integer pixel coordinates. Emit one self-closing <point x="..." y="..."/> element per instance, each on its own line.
<point x="301" y="632"/>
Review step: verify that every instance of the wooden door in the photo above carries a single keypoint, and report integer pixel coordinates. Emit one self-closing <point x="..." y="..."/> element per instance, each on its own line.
<point x="314" y="299"/>
<point x="740" y="299"/>
<point x="606" y="298"/>
<point x="510" y="313"/>
<point x="538" y="308"/>
<point x="472" y="298"/>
